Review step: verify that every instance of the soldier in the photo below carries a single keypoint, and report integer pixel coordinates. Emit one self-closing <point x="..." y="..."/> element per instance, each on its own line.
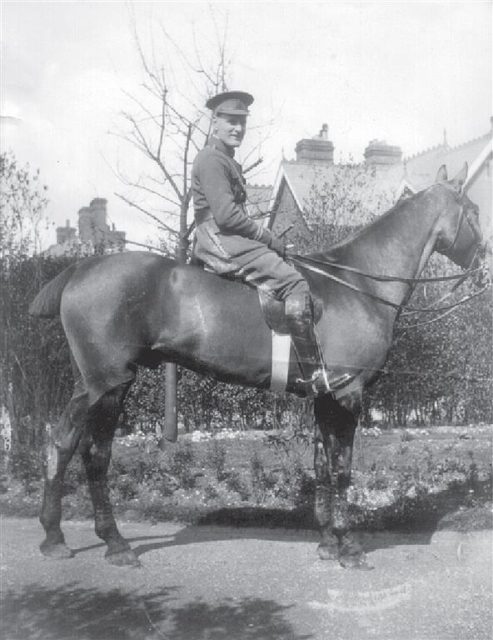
<point x="228" y="241"/>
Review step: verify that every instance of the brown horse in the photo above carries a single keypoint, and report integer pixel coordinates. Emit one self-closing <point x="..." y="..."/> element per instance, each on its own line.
<point x="129" y="309"/>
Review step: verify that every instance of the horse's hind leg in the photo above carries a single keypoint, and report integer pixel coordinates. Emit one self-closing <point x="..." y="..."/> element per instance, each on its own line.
<point x="335" y="427"/>
<point x="60" y="447"/>
<point x="96" y="453"/>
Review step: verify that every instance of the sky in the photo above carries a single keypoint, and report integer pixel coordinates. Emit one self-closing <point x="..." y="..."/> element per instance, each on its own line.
<point x="397" y="71"/>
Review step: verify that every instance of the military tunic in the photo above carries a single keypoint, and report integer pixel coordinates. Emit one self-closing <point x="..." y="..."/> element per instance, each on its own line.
<point x="227" y="239"/>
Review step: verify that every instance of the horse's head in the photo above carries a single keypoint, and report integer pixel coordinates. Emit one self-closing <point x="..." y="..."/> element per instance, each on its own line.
<point x="459" y="234"/>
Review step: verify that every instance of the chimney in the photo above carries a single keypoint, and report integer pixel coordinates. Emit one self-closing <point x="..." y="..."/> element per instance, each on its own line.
<point x="98" y="209"/>
<point x="92" y="222"/>
<point x="85" y="225"/>
<point x="378" y="152"/>
<point x="64" y="234"/>
<point x="316" y="150"/>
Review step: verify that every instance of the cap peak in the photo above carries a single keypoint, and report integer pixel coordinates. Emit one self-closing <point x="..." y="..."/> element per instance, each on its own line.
<point x="230" y="103"/>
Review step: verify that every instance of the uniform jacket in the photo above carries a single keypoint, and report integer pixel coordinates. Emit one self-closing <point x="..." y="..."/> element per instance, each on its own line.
<point x="224" y="230"/>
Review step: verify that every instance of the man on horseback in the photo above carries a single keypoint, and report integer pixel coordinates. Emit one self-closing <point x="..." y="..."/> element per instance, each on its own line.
<point x="229" y="242"/>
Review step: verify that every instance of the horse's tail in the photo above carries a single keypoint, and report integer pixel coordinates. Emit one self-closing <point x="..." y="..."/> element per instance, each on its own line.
<point x="47" y="303"/>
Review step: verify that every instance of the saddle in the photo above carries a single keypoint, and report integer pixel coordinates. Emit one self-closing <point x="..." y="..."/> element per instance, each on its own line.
<point x="275" y="317"/>
<point x="272" y="308"/>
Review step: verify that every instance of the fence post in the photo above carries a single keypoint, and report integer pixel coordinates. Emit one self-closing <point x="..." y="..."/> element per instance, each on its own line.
<point x="170" y="432"/>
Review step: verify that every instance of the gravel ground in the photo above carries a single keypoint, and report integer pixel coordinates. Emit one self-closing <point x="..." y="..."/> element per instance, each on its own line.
<point x="214" y="583"/>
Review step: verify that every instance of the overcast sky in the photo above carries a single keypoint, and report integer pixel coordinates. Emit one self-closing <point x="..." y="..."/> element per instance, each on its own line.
<point x="397" y="71"/>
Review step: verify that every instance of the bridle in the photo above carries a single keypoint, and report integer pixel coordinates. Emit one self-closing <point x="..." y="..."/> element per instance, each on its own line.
<point x="464" y="214"/>
<point x="321" y="267"/>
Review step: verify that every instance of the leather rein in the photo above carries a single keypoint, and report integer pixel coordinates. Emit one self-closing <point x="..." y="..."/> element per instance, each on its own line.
<point x="320" y="266"/>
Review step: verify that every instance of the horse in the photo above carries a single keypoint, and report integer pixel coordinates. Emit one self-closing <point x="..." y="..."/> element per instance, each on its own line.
<point x="131" y="309"/>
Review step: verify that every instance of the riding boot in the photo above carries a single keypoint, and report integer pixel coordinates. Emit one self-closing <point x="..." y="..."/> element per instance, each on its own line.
<point x="317" y="380"/>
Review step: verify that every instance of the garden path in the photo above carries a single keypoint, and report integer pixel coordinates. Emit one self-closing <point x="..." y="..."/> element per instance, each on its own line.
<point x="215" y="583"/>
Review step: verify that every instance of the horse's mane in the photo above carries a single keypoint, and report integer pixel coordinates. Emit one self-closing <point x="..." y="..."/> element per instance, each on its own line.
<point x="334" y="250"/>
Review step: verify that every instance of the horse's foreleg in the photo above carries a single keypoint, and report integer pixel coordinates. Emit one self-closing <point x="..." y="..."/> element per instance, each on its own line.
<point x="335" y="427"/>
<point x="328" y="548"/>
<point x="96" y="455"/>
<point x="61" y="443"/>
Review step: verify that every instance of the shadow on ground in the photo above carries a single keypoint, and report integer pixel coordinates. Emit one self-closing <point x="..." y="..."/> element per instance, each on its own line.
<point x="423" y="513"/>
<point x="72" y="613"/>
<point x="416" y="518"/>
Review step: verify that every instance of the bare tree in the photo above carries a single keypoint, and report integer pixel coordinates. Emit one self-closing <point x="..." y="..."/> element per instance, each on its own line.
<point x="22" y="207"/>
<point x="339" y="203"/>
<point x="166" y="124"/>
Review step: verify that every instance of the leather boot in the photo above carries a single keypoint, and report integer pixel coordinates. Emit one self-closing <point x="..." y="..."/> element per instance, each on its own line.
<point x="317" y="379"/>
<point x="299" y="316"/>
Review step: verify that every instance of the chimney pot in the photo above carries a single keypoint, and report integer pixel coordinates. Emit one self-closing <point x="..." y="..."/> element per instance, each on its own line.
<point x="378" y="152"/>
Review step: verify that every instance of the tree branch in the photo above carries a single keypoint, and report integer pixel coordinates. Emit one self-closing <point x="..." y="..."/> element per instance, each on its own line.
<point x="146" y="246"/>
<point x="134" y="205"/>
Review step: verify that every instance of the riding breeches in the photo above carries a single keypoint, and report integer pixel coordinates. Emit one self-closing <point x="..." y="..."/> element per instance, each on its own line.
<point x="251" y="260"/>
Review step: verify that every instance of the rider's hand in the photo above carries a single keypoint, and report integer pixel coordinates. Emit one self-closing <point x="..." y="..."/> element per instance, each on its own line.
<point x="279" y="245"/>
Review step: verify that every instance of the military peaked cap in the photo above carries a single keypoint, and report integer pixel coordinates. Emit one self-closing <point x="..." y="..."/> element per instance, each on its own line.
<point x="234" y="103"/>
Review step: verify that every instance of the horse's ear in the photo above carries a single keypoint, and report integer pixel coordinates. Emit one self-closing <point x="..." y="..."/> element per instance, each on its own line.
<point x="460" y="179"/>
<point x="442" y="175"/>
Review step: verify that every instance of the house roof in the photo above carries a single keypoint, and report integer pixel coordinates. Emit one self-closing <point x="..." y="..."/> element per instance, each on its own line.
<point x="301" y="178"/>
<point x="413" y="173"/>
<point x="304" y="180"/>
<point x="421" y="169"/>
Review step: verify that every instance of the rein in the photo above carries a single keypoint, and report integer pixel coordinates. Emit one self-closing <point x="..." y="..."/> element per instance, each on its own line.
<point x="314" y="265"/>
<point x="343" y="267"/>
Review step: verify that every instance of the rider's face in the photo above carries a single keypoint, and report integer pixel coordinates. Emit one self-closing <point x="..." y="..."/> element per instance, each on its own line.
<point x="229" y="129"/>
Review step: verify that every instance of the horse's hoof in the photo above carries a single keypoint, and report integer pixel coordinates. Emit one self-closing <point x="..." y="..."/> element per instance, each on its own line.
<point x="359" y="562"/>
<point x="125" y="558"/>
<point x="328" y="552"/>
<point x="58" y="551"/>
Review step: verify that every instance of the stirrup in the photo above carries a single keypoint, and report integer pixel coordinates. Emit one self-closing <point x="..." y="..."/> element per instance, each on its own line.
<point x="319" y="383"/>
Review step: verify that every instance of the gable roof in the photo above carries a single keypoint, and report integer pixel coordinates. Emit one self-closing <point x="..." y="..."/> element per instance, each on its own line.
<point x="410" y="175"/>
<point x="300" y="178"/>
<point x="476" y="166"/>
<point x="304" y="180"/>
<point x="421" y="169"/>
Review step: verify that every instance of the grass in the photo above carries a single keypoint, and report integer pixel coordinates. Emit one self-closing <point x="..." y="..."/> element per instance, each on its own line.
<point x="401" y="479"/>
